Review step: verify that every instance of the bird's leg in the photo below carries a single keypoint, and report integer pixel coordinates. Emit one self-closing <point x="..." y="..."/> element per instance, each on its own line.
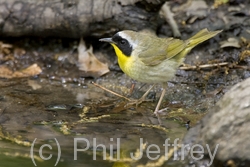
<point x="158" y="112"/>
<point x="142" y="99"/>
<point x="159" y="104"/>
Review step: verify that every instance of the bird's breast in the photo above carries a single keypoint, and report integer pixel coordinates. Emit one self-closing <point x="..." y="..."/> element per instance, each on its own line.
<point x="160" y="73"/>
<point x="136" y="69"/>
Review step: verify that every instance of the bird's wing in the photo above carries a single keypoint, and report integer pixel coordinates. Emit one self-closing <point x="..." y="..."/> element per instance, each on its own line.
<point x="166" y="49"/>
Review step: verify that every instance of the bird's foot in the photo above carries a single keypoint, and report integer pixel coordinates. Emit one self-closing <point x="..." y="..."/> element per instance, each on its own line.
<point x="158" y="113"/>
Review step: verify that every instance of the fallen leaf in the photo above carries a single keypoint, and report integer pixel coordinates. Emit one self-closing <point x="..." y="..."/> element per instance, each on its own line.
<point x="244" y="54"/>
<point x="5" y="72"/>
<point x="197" y="9"/>
<point x="4" y="45"/>
<point x="88" y="63"/>
<point x="230" y="42"/>
<point x="34" y="84"/>
<point x="19" y="52"/>
<point x="32" y="70"/>
<point x="196" y="6"/>
<point x="245" y="42"/>
<point x="217" y="3"/>
<point x="5" y="52"/>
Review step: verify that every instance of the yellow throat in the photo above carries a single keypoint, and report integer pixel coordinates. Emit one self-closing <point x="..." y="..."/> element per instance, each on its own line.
<point x="123" y="60"/>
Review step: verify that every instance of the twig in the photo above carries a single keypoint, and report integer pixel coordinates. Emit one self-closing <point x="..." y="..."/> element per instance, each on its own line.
<point x="110" y="91"/>
<point x="204" y="66"/>
<point x="242" y="67"/>
<point x="169" y="16"/>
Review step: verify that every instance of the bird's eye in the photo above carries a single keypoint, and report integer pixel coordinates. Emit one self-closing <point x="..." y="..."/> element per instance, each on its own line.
<point x="122" y="42"/>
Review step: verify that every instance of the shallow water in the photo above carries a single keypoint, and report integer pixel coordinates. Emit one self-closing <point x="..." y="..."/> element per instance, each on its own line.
<point x="76" y="116"/>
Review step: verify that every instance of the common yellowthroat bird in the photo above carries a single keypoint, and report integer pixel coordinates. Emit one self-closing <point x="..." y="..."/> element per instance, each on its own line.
<point x="150" y="59"/>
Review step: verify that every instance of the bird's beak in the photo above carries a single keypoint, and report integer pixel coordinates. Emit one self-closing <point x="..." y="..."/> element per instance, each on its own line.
<point x="109" y="40"/>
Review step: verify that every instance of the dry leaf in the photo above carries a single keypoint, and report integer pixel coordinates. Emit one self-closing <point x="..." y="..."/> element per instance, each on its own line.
<point x="88" y="63"/>
<point x="195" y="9"/>
<point x="5" y="52"/>
<point x="230" y="42"/>
<point x="5" y="72"/>
<point x="5" y="45"/>
<point x="34" y="84"/>
<point x="217" y="3"/>
<point x="244" y="54"/>
<point x="19" y="52"/>
<point x="196" y="6"/>
<point x="32" y="70"/>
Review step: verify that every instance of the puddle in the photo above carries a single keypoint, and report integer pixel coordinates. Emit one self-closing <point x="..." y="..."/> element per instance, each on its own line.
<point x="81" y="116"/>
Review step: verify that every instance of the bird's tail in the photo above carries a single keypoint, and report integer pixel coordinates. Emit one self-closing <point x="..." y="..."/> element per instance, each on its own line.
<point x="200" y="37"/>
